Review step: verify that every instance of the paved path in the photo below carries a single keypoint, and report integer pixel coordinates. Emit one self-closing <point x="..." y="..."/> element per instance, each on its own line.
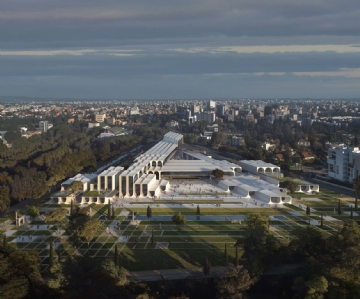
<point x="171" y="274"/>
<point x="333" y="187"/>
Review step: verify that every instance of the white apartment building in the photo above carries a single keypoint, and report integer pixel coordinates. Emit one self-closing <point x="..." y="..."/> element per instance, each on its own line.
<point x="343" y="162"/>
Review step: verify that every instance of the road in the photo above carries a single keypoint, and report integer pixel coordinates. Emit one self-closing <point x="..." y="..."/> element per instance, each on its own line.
<point x="338" y="189"/>
<point x="18" y="206"/>
<point x="171" y="274"/>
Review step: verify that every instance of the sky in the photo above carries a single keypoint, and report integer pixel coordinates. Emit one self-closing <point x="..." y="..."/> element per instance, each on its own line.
<point x="180" y="49"/>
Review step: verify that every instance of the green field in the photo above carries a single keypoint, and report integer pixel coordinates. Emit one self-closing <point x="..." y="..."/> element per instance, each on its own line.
<point x="185" y="248"/>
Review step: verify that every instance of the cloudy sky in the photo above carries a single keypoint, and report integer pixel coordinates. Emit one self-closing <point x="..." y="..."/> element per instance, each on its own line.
<point x="180" y="49"/>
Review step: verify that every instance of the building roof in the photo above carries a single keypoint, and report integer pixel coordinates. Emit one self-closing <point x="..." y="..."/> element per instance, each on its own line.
<point x="111" y="171"/>
<point x="159" y="152"/>
<point x="84" y="178"/>
<point x="200" y="163"/>
<point x="258" y="163"/>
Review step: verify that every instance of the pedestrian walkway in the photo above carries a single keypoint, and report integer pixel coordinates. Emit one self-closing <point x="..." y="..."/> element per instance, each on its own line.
<point x="172" y="274"/>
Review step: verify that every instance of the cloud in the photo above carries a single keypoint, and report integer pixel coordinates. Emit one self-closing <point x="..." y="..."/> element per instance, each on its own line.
<point x="273" y="49"/>
<point x="161" y="48"/>
<point x="69" y="52"/>
<point x="343" y="72"/>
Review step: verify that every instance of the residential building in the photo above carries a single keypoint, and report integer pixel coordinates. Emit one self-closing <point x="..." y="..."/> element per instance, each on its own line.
<point x="99" y="117"/>
<point x="303" y="143"/>
<point x="343" y="162"/>
<point x="237" y="141"/>
<point x="43" y="126"/>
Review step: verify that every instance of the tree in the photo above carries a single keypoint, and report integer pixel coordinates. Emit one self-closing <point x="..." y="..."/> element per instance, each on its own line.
<point x="322" y="220"/>
<point x="351" y="213"/>
<point x="72" y="207"/>
<point x="314" y="288"/>
<point x="218" y="173"/>
<point x="236" y="255"/>
<point x="51" y="255"/>
<point x="149" y="212"/>
<point x="234" y="283"/>
<point x="309" y="241"/>
<point x="357" y="190"/>
<point x="116" y="256"/>
<point x="290" y="185"/>
<point x="118" y="274"/>
<point x="4" y="241"/>
<point x="112" y="212"/>
<point x="226" y="256"/>
<point x="75" y="186"/>
<point x="33" y="212"/>
<point x="198" y="210"/>
<point x="339" y="208"/>
<point x="109" y="210"/>
<point x="207" y="268"/>
<point x="257" y="220"/>
<point x="4" y="198"/>
<point x="179" y="219"/>
<point x="56" y="216"/>
<point x="308" y="211"/>
<point x="88" y="230"/>
<point x="26" y="263"/>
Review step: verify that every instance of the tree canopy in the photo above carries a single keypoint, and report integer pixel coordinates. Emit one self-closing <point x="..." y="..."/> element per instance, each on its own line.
<point x="179" y="219"/>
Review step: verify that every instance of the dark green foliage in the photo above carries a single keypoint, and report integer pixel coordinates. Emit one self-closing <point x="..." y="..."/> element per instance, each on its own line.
<point x="357" y="190"/>
<point x="179" y="219"/>
<point x="236" y="255"/>
<point x="116" y="256"/>
<point x="198" y="210"/>
<point x="109" y="210"/>
<point x="207" y="268"/>
<point x="4" y="241"/>
<point x="149" y="212"/>
<point x="152" y="238"/>
<point x="72" y="208"/>
<point x="112" y="212"/>
<point x="59" y="253"/>
<point x="4" y="198"/>
<point x="290" y="185"/>
<point x="41" y="161"/>
<point x="351" y="213"/>
<point x="51" y="255"/>
<point x="218" y="173"/>
<point x="257" y="220"/>
<point x="226" y="256"/>
<point x="339" y="209"/>
<point x="322" y="221"/>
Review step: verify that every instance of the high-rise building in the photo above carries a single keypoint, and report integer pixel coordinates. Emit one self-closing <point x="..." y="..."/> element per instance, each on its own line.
<point x="206" y="116"/>
<point x="211" y="105"/>
<point x="220" y="110"/>
<point x="44" y="126"/>
<point x="343" y="163"/>
<point x="195" y="109"/>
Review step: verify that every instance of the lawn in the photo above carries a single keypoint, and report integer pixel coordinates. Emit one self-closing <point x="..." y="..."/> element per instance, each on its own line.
<point x="186" y="248"/>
